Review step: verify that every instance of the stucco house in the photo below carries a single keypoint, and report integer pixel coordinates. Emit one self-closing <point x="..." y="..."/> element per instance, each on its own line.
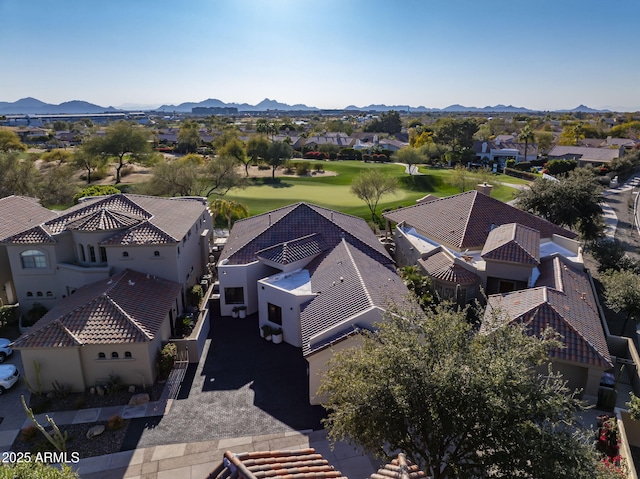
<point x="531" y="269"/>
<point x="17" y="213"/>
<point x="101" y="236"/>
<point x="586" y="155"/>
<point x="113" y="326"/>
<point x="317" y="274"/>
<point x="499" y="151"/>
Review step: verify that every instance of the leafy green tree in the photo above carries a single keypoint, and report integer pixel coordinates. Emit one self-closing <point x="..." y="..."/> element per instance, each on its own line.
<point x="388" y="122"/>
<point x="574" y="201"/>
<point x="418" y="283"/>
<point x="58" y="157"/>
<point x="219" y="175"/>
<point x="125" y="141"/>
<point x="410" y="156"/>
<point x="610" y="255"/>
<point x="89" y="162"/>
<point x="95" y="190"/>
<point x="460" y="405"/>
<point x="277" y="153"/>
<point x="229" y="209"/>
<point x="54" y="187"/>
<point x="370" y="185"/>
<point x="558" y="167"/>
<point x="189" y="137"/>
<point x="10" y="141"/>
<point x="18" y="176"/>
<point x="544" y="139"/>
<point x="257" y="150"/>
<point x="235" y="149"/>
<point x="460" y="178"/>
<point x="526" y="136"/>
<point x="456" y="134"/>
<point x="36" y="470"/>
<point x="622" y="293"/>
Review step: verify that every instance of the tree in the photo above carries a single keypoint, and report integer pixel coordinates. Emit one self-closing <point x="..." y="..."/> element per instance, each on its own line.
<point x="219" y="175"/>
<point x="36" y="470"/>
<point x="611" y="255"/>
<point x="573" y="201"/>
<point x="460" y="405"/>
<point x="257" y="149"/>
<point x="18" y="176"/>
<point x="418" y="283"/>
<point x="525" y="136"/>
<point x="622" y="293"/>
<point x="277" y="153"/>
<point x="235" y="149"/>
<point x="370" y="185"/>
<point x="456" y="134"/>
<point x="10" y="141"/>
<point x="89" y="162"/>
<point x="123" y="140"/>
<point x="460" y="177"/>
<point x="544" y="139"/>
<point x="228" y="209"/>
<point x="95" y="190"/>
<point x="189" y="137"/>
<point x="389" y="122"/>
<point x="409" y="156"/>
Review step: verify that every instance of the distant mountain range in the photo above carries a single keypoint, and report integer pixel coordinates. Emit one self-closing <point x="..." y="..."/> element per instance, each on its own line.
<point x="32" y="106"/>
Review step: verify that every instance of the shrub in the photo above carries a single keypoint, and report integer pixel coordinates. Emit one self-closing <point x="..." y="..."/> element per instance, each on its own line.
<point x="126" y="171"/>
<point x="302" y="168"/>
<point x="523" y="166"/>
<point x="195" y="295"/>
<point x="556" y="167"/>
<point x="95" y="190"/>
<point x="315" y="155"/>
<point x="7" y="314"/>
<point x="521" y="174"/>
<point x="115" y="423"/>
<point x="79" y="402"/>
<point x="33" y="315"/>
<point x="318" y="167"/>
<point x="166" y="359"/>
<point x="28" y="434"/>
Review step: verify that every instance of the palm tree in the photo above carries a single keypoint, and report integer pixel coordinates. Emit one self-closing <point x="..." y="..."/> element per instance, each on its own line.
<point x="228" y="209"/>
<point x="526" y="135"/>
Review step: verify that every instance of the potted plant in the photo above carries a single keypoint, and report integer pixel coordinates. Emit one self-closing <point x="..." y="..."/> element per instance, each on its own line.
<point x="242" y="311"/>
<point x="266" y="332"/>
<point x="235" y="312"/>
<point x="277" y="336"/>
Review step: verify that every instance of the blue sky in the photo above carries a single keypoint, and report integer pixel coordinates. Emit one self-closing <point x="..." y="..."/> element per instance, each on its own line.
<point x="329" y="54"/>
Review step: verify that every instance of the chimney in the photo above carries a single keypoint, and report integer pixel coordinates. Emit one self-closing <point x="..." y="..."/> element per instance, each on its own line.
<point x="484" y="188"/>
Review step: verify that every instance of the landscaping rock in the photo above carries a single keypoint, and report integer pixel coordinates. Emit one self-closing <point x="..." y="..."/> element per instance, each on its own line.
<point x="92" y="390"/>
<point x="100" y="391"/>
<point x="132" y="389"/>
<point x="139" y="399"/>
<point x="95" y="431"/>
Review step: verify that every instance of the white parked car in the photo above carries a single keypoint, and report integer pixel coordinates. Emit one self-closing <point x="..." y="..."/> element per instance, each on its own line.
<point x="5" y="350"/>
<point x="9" y="375"/>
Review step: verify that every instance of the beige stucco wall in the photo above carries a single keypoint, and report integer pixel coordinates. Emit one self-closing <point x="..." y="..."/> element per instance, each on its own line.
<point x="509" y="271"/>
<point x="318" y="365"/>
<point x="7" y="290"/>
<point x="138" y="370"/>
<point x="34" y="280"/>
<point x="242" y="276"/>
<point x="56" y="364"/>
<point x="578" y="376"/>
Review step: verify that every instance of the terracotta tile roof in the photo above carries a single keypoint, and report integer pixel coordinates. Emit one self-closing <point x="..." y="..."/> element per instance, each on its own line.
<point x="21" y="213"/>
<point x="145" y="233"/>
<point x="562" y="299"/>
<point x="128" y="307"/>
<point x="514" y="243"/>
<point x="347" y="282"/>
<point x="254" y="234"/>
<point x="294" y="250"/>
<point x="103" y="220"/>
<point x="399" y="468"/>
<point x="443" y="267"/>
<point x="465" y="220"/>
<point x="296" y="464"/>
<point x="36" y="235"/>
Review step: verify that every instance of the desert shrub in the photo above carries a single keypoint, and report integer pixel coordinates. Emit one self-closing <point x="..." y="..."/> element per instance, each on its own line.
<point x="166" y="359"/>
<point x="28" y="434"/>
<point x="302" y="168"/>
<point x="33" y="315"/>
<point x="115" y="423"/>
<point x="95" y="190"/>
<point x="126" y="171"/>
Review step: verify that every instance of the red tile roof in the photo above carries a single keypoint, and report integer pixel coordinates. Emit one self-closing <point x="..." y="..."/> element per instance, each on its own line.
<point x="399" y="468"/>
<point x="294" y="250"/>
<point x="297" y="464"/>
<point x="20" y="213"/>
<point x="128" y="307"/>
<point x="514" y="243"/>
<point x="443" y="267"/>
<point x="562" y="299"/>
<point x="465" y="220"/>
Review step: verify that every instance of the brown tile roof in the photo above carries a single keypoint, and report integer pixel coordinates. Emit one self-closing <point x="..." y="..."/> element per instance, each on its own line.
<point x="294" y="250"/>
<point x="347" y="282"/>
<point x="21" y="213"/>
<point x="399" y="468"/>
<point x="36" y="235"/>
<point x="296" y="464"/>
<point x="441" y="266"/>
<point x="465" y="220"/>
<point x="150" y="219"/>
<point x="562" y="299"/>
<point x="251" y="235"/>
<point x="128" y="307"/>
<point x="514" y="243"/>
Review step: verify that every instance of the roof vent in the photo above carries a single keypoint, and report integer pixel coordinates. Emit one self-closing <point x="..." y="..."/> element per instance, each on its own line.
<point x="583" y="296"/>
<point x="341" y="279"/>
<point x="131" y="283"/>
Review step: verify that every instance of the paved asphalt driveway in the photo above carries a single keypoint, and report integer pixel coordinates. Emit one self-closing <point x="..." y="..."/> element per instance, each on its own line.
<point x="243" y="386"/>
<point x="11" y="411"/>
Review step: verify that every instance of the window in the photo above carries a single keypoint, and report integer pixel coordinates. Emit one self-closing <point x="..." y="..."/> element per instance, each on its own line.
<point x="39" y="294"/>
<point x="33" y="259"/>
<point x="92" y="253"/>
<point x="234" y="295"/>
<point x="275" y="313"/>
<point x="506" y="286"/>
<point x="103" y="254"/>
<point x="83" y="258"/>
<point x="125" y="254"/>
<point x="114" y="355"/>
<point x="102" y="356"/>
<point x="29" y="294"/>
<point x="49" y="294"/>
<point x="127" y="354"/>
<point x="156" y="253"/>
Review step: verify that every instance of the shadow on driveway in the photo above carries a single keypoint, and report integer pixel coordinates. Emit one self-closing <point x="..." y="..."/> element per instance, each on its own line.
<point x="243" y="386"/>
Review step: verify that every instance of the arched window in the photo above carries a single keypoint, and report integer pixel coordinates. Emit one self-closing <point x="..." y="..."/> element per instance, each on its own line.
<point x="39" y="294"/>
<point x="92" y="253"/>
<point x="103" y="254"/>
<point x="114" y="355"/>
<point x="33" y="258"/>
<point x="29" y="294"/>
<point x="156" y="253"/>
<point x="125" y="254"/>
<point x="102" y="356"/>
<point x="83" y="257"/>
<point x="127" y="354"/>
<point x="49" y="294"/>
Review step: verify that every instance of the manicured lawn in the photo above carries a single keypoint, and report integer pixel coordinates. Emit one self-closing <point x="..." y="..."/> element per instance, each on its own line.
<point x="333" y="191"/>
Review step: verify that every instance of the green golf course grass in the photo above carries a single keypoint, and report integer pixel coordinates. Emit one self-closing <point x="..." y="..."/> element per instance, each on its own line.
<point x="334" y="191"/>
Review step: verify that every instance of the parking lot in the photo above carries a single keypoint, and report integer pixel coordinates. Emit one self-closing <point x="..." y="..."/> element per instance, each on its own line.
<point x="242" y="386"/>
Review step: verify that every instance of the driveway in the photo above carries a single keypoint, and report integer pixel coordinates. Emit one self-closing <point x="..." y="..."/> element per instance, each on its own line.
<point x="12" y="415"/>
<point x="243" y="386"/>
